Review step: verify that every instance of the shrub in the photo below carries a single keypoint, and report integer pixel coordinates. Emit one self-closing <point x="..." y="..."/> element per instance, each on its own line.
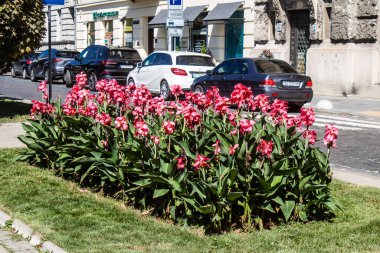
<point x="195" y="161"/>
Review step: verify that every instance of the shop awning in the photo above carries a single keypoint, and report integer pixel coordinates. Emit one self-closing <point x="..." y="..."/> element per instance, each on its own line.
<point x="159" y="20"/>
<point x="191" y="13"/>
<point x="222" y="12"/>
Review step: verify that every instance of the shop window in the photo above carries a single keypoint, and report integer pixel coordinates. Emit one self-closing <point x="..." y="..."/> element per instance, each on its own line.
<point x="272" y="27"/>
<point x="198" y="34"/>
<point x="128" y="32"/>
<point x="90" y="33"/>
<point x="108" y="39"/>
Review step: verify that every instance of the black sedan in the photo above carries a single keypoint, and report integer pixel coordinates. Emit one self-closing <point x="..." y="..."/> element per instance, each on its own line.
<point x="22" y="66"/>
<point x="101" y="62"/>
<point x="274" y="78"/>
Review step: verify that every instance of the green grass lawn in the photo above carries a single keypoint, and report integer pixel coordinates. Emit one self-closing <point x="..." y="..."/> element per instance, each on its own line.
<point x="80" y="221"/>
<point x="13" y="111"/>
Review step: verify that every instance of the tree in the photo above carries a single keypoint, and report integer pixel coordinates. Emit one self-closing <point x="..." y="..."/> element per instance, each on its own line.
<point x="22" y="25"/>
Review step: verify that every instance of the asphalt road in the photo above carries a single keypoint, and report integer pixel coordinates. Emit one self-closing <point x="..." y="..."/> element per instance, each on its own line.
<point x="359" y="134"/>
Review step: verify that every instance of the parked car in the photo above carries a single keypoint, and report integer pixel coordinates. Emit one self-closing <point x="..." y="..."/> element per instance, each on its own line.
<point x="274" y="78"/>
<point x="5" y="68"/>
<point x="40" y="66"/>
<point x="101" y="62"/>
<point x="162" y="69"/>
<point x="22" y="66"/>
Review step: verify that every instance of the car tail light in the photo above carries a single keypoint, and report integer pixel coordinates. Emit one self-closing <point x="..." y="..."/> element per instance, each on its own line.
<point x="179" y="72"/>
<point x="309" y="84"/>
<point x="28" y="62"/>
<point x="268" y="83"/>
<point x="107" y="62"/>
<point x="58" y="60"/>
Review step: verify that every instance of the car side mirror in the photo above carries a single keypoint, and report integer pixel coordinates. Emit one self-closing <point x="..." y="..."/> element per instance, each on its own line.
<point x="77" y="57"/>
<point x="139" y="65"/>
<point x="209" y="72"/>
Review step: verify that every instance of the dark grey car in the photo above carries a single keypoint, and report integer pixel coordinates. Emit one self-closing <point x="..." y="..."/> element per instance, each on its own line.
<point x="39" y="67"/>
<point x="274" y="78"/>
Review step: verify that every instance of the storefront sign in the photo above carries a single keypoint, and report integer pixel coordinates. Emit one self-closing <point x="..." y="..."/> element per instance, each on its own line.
<point x="97" y="15"/>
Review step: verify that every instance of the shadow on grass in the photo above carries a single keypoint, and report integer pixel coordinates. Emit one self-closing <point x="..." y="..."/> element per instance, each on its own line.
<point x="13" y="110"/>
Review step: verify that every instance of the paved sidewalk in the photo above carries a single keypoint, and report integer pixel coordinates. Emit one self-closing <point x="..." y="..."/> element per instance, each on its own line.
<point x="8" y="135"/>
<point x="11" y="244"/>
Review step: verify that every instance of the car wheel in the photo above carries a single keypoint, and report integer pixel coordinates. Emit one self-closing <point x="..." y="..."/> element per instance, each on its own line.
<point x="67" y="79"/>
<point x="24" y="74"/>
<point x="92" y="80"/>
<point x="33" y="76"/>
<point x="13" y="73"/>
<point x="165" y="90"/>
<point x="130" y="82"/>
<point x="199" y="89"/>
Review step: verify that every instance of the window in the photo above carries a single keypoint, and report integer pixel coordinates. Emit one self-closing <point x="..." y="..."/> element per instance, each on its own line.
<point x="193" y="60"/>
<point x="90" y="33"/>
<point x="58" y="27"/>
<point x="273" y="66"/>
<point x="240" y="67"/>
<point x="108" y="40"/>
<point x="149" y="60"/>
<point x="124" y="54"/>
<point x="163" y="59"/>
<point x="224" y="68"/>
<point x="128" y="32"/>
<point x="84" y="53"/>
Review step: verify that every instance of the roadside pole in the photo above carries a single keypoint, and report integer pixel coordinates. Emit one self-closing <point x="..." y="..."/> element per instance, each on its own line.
<point x="49" y="42"/>
<point x="49" y="3"/>
<point x="174" y="22"/>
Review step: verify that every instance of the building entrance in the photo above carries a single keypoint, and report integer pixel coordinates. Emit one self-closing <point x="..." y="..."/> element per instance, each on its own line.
<point x="299" y="39"/>
<point x="234" y="36"/>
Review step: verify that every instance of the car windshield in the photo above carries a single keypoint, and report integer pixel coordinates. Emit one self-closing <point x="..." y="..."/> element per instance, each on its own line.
<point x="32" y="55"/>
<point x="124" y="54"/>
<point x="273" y="66"/>
<point x="66" y="54"/>
<point x="195" y="60"/>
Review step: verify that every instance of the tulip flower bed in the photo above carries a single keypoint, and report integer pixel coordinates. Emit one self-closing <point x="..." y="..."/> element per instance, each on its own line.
<point x="194" y="161"/>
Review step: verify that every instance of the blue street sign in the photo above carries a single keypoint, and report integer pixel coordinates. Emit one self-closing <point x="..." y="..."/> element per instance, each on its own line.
<point x="53" y="2"/>
<point x="175" y="2"/>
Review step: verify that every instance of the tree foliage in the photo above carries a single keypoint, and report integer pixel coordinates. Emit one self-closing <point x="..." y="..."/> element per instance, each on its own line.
<point x="22" y="25"/>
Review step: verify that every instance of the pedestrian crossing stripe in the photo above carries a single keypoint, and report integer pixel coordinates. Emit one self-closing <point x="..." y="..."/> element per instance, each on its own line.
<point x="348" y="122"/>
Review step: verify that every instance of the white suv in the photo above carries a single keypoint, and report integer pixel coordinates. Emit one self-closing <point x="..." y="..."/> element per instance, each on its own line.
<point x="162" y="69"/>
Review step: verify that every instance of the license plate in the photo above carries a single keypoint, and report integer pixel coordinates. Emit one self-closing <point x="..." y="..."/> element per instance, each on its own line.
<point x="196" y="75"/>
<point x="126" y="66"/>
<point x="291" y="84"/>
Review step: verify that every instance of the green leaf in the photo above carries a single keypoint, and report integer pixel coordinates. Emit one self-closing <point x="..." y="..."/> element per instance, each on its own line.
<point x="159" y="192"/>
<point x="205" y="209"/>
<point x="232" y="196"/>
<point x="166" y="168"/>
<point x="287" y="209"/>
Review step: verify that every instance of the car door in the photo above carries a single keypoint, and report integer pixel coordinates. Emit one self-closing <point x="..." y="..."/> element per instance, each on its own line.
<point x="39" y="64"/>
<point x="221" y="77"/>
<point x="161" y="66"/>
<point x="144" y="74"/>
<point x="240" y="72"/>
<point x="77" y="66"/>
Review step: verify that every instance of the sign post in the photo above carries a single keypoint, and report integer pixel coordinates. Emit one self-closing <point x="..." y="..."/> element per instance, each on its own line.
<point x="49" y="3"/>
<point x="174" y="21"/>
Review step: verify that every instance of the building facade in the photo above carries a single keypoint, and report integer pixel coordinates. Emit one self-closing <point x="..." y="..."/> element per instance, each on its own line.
<point x="336" y="42"/>
<point x="62" y="26"/>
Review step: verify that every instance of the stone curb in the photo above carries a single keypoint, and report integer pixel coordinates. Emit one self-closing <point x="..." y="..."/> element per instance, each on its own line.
<point x="27" y="232"/>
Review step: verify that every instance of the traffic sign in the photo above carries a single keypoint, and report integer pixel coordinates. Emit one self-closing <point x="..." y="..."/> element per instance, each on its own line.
<point x="175" y="14"/>
<point x="175" y="4"/>
<point x="175" y="32"/>
<point x="53" y="2"/>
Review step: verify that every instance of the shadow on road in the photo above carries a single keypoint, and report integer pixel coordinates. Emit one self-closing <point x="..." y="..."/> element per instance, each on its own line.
<point x="11" y="108"/>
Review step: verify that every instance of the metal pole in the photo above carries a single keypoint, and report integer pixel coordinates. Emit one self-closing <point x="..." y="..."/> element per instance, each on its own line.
<point x="49" y="41"/>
